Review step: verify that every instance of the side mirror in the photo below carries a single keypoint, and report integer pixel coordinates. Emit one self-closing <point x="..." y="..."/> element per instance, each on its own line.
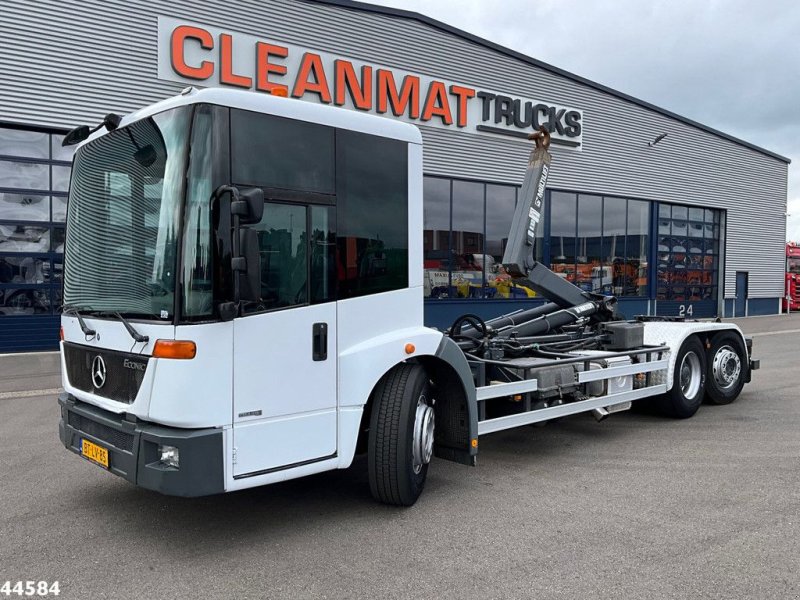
<point x="76" y="136"/>
<point x="247" y="267"/>
<point x="249" y="207"/>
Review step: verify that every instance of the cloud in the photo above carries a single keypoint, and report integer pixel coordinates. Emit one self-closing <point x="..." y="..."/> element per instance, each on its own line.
<point x="730" y="64"/>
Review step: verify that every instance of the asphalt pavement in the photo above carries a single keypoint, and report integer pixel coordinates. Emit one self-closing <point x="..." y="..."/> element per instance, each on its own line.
<point x="637" y="506"/>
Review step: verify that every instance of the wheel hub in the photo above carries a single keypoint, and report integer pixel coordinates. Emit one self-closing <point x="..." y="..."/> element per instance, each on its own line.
<point x="726" y="367"/>
<point x="422" y="443"/>
<point x="690" y="375"/>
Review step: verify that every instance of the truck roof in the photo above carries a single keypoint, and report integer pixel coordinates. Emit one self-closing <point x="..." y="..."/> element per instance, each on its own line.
<point x="284" y="107"/>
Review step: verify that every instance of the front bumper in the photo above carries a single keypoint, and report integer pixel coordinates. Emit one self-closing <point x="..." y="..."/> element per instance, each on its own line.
<point x="133" y="449"/>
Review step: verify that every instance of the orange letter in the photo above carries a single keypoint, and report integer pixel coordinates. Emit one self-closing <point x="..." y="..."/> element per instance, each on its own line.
<point x="387" y="93"/>
<point x="312" y="65"/>
<point x="264" y="68"/>
<point x="463" y="94"/>
<point x="177" y="42"/>
<point x="345" y="77"/>
<point x="226" y="58"/>
<point x="437" y="104"/>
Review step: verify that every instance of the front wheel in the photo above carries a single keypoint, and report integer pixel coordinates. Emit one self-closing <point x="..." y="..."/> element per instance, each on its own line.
<point x="401" y="435"/>
<point x="726" y="368"/>
<point x="688" y="381"/>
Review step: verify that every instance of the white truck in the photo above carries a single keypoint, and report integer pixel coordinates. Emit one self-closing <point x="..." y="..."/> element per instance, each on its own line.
<point x="243" y="304"/>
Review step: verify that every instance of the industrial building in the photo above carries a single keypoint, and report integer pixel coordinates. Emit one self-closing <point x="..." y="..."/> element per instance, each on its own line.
<point x="670" y="215"/>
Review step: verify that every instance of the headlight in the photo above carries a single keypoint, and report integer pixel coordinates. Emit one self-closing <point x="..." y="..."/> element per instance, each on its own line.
<point x="170" y="456"/>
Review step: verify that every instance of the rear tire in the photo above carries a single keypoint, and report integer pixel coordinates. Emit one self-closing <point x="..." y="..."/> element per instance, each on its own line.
<point x="726" y="368"/>
<point x="688" y="381"/>
<point x="400" y="435"/>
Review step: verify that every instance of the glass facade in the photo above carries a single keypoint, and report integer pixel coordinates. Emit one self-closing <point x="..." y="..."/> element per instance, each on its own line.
<point x="600" y="243"/>
<point x="606" y="244"/>
<point x="34" y="180"/>
<point x="466" y="226"/>
<point x="687" y="253"/>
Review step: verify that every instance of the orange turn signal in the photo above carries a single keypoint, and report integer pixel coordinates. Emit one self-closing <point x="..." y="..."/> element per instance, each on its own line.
<point x="174" y="349"/>
<point x="410" y="348"/>
<point x="61" y="334"/>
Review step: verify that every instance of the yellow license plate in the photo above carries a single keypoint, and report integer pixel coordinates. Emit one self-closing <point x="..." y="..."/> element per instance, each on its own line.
<point x="94" y="453"/>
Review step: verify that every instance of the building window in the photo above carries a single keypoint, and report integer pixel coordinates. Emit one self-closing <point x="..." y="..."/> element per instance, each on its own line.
<point x="600" y="243"/>
<point x="466" y="227"/>
<point x="34" y="179"/>
<point x="687" y="253"/>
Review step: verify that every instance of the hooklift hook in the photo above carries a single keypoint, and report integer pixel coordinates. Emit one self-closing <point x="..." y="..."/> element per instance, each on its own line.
<point x="541" y="137"/>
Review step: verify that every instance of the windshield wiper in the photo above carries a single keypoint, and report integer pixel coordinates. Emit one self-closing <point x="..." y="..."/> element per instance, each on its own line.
<point x="138" y="337"/>
<point x="70" y="309"/>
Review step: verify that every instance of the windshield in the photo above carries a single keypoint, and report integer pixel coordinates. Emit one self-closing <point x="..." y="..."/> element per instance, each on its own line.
<point x="123" y="216"/>
<point x="793" y="265"/>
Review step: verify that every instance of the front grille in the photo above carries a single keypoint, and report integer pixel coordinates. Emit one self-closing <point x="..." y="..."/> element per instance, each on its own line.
<point x="122" y="382"/>
<point x="118" y="439"/>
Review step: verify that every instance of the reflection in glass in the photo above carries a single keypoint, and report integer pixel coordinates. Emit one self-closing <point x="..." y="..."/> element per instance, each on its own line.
<point x="60" y="152"/>
<point x="637" y="248"/>
<point x="25" y="270"/>
<point x="283" y="242"/>
<point x="16" y="206"/>
<point x="323" y="254"/>
<point x="24" y="238"/>
<point x="116" y="261"/>
<point x="59" y="208"/>
<point x="27" y="144"/>
<point x="271" y="151"/>
<point x="563" y="216"/>
<point x="372" y="181"/>
<point x="61" y="179"/>
<point x="611" y="277"/>
<point x="57" y="240"/>
<point x="687" y="263"/>
<point x="467" y="239"/>
<point x="27" y="176"/>
<point x="696" y="214"/>
<point x="197" y="277"/>
<point x="590" y="274"/>
<point x="500" y="205"/>
<point x="24" y="302"/>
<point x="436" y="236"/>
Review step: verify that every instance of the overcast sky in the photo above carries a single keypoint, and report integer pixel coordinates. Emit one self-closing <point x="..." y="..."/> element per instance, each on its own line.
<point x="730" y="64"/>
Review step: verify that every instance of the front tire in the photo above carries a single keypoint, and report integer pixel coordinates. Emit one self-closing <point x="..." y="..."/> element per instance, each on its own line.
<point x="688" y="381"/>
<point x="726" y="368"/>
<point x="401" y="435"/>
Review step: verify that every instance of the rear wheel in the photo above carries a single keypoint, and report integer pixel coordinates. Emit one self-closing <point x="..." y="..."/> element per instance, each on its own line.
<point x="688" y="381"/>
<point x="726" y="368"/>
<point x="401" y="435"/>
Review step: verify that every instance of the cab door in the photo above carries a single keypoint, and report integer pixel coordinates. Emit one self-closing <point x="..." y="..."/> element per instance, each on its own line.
<point x="285" y="359"/>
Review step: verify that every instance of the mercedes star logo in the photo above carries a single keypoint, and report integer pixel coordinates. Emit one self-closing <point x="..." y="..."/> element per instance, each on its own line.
<point x="98" y="372"/>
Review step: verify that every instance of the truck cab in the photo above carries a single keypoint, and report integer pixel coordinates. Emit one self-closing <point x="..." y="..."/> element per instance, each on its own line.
<point x="267" y="254"/>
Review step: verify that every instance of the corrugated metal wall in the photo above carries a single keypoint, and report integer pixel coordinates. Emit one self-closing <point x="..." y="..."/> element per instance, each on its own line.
<point x="64" y="62"/>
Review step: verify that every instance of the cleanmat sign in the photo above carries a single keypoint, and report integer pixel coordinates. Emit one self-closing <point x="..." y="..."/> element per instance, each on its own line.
<point x="210" y="56"/>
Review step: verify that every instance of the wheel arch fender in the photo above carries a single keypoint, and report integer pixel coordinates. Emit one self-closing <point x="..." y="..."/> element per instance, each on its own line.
<point x="672" y="334"/>
<point x="456" y="406"/>
<point x="362" y="367"/>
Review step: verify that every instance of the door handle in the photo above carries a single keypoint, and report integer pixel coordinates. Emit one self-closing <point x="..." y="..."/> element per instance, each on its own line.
<point x="319" y="342"/>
